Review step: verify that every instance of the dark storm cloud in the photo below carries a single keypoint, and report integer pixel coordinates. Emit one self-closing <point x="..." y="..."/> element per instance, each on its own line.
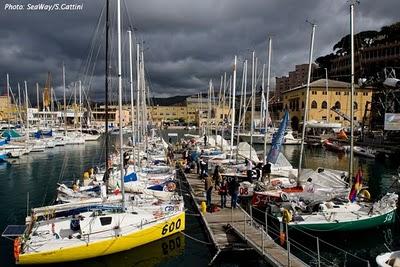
<point x="187" y="42"/>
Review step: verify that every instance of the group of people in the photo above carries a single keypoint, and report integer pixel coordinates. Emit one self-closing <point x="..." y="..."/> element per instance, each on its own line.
<point x="262" y="171"/>
<point x="223" y="187"/>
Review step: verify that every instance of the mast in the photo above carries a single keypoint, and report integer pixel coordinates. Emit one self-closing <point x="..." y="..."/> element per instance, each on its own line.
<point x="240" y="108"/>
<point x="233" y="104"/>
<point x="252" y="105"/>
<point x="65" y="101"/>
<point x="223" y="108"/>
<point x="138" y="92"/>
<point x="27" y="107"/>
<point x="262" y="98"/>
<point x="306" y="105"/>
<point x="267" y="99"/>
<point x="352" y="91"/>
<point x="106" y="93"/>
<point x="219" y="106"/>
<point x="19" y="97"/>
<point x="80" y="106"/>
<point x="244" y="98"/>
<point x="121" y="140"/>
<point x="131" y="85"/>
<point x="8" y="100"/>
<point x="38" y="102"/>
<point x="209" y="110"/>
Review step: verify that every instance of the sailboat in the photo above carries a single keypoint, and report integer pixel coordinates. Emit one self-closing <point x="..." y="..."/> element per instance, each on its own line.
<point x="71" y="232"/>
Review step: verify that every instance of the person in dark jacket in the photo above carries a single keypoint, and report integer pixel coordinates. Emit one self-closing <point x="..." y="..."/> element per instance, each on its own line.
<point x="266" y="172"/>
<point x="234" y="191"/>
<point x="223" y="191"/>
<point x="208" y="186"/>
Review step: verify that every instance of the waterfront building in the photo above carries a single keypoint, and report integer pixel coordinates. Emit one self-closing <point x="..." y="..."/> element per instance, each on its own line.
<point x="321" y="101"/>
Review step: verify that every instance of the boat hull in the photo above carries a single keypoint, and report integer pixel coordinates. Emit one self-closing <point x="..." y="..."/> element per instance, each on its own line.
<point x="108" y="246"/>
<point x="356" y="225"/>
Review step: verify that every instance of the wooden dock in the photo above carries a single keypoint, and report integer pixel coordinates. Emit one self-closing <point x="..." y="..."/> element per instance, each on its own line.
<point x="229" y="228"/>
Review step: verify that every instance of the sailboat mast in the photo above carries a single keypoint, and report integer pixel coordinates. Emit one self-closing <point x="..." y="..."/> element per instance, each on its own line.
<point x="262" y="98"/>
<point x="267" y="98"/>
<point x="27" y="107"/>
<point x="131" y="85"/>
<point x="80" y="106"/>
<point x="306" y="105"/>
<point x="219" y="106"/>
<point x="209" y="109"/>
<point x="233" y="104"/>
<point x="8" y="101"/>
<point x="138" y="90"/>
<point x="106" y="93"/>
<point x="240" y="108"/>
<point x="65" y="101"/>
<point x="121" y="140"/>
<point x="252" y="104"/>
<point x="352" y="91"/>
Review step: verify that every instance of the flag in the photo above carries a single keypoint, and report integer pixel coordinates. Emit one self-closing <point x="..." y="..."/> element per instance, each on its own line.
<point x="277" y="140"/>
<point x="117" y="190"/>
<point x="357" y="185"/>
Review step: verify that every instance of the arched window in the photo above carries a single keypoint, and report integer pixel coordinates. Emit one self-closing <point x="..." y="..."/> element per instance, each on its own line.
<point x="324" y="105"/>
<point x="314" y="104"/>
<point x="337" y="105"/>
<point x="355" y="105"/>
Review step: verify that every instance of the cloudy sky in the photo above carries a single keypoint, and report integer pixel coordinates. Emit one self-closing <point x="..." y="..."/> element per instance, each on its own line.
<point x="186" y="42"/>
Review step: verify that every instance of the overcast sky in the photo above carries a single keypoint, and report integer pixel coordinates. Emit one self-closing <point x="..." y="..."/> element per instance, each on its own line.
<point x="186" y="42"/>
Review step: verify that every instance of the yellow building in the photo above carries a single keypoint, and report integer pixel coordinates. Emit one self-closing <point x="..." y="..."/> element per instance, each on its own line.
<point x="322" y="100"/>
<point x="159" y="114"/>
<point x="7" y="110"/>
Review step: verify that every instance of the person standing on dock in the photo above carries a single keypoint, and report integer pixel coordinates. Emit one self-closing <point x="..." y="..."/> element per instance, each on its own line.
<point x="208" y="186"/>
<point x="266" y="172"/>
<point x="234" y="191"/>
<point x="223" y="191"/>
<point x="205" y="140"/>
<point x="249" y="168"/>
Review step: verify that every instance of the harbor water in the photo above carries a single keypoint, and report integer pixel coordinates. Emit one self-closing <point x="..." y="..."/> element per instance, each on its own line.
<point x="31" y="182"/>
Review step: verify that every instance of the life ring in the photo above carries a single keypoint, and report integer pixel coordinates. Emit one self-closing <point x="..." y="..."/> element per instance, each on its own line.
<point x="17" y="248"/>
<point x="286" y="216"/>
<point x="365" y="194"/>
<point x="284" y="196"/>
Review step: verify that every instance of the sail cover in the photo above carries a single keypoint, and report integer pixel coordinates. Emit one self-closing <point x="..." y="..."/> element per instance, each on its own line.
<point x="278" y="139"/>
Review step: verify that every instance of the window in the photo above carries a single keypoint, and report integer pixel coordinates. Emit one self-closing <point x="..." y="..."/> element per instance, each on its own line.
<point x="337" y="93"/>
<point x="337" y="105"/>
<point x="324" y="105"/>
<point x="337" y="118"/>
<point x="105" y="220"/>
<point x="355" y="105"/>
<point x="365" y="93"/>
<point x="355" y="118"/>
<point x="346" y="93"/>
<point x="313" y="92"/>
<point x="355" y="93"/>
<point x="314" y="104"/>
<point x="324" y="92"/>
<point x="302" y="104"/>
<point x="324" y="118"/>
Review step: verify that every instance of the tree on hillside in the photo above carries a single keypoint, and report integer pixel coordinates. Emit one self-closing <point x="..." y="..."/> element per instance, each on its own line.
<point x="326" y="61"/>
<point x="390" y="33"/>
<point x="361" y="40"/>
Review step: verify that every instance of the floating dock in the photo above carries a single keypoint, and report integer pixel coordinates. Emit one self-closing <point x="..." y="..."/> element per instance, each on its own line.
<point x="228" y="228"/>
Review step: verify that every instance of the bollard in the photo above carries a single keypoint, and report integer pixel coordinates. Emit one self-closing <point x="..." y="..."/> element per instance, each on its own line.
<point x="203" y="207"/>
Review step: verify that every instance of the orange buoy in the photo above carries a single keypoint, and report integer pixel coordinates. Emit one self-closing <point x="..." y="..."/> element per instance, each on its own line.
<point x="17" y="248"/>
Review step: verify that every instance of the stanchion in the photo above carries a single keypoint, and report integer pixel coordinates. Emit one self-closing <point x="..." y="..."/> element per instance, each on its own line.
<point x="319" y="259"/>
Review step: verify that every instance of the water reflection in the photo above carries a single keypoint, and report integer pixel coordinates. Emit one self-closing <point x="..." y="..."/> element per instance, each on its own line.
<point x="149" y="255"/>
